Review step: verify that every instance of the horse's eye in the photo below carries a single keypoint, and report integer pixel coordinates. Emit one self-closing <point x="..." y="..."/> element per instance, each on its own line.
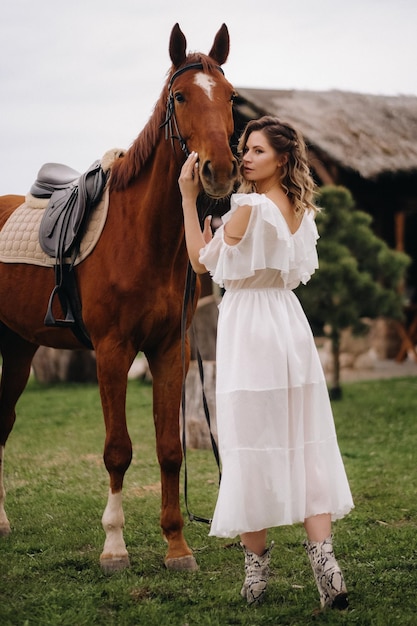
<point x="233" y="97"/>
<point x="179" y="97"/>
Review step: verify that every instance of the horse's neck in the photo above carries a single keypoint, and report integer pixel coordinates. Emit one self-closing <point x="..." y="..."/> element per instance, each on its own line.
<point x="161" y="191"/>
<point x="151" y="206"/>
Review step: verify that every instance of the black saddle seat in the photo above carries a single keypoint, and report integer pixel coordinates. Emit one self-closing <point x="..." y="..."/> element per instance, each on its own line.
<point x="69" y="208"/>
<point x="60" y="232"/>
<point x="53" y="176"/>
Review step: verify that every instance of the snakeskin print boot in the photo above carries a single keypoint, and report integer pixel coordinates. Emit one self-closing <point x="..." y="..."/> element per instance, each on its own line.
<point x="327" y="574"/>
<point x="257" y="575"/>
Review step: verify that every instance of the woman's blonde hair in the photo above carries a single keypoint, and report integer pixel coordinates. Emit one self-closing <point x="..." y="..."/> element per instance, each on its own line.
<point x="296" y="178"/>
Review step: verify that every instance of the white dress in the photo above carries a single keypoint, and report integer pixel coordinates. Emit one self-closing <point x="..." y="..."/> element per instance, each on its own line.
<point x="280" y="457"/>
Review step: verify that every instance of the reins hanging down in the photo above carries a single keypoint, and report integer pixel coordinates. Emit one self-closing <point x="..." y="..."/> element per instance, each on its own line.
<point x="189" y="293"/>
<point x="173" y="132"/>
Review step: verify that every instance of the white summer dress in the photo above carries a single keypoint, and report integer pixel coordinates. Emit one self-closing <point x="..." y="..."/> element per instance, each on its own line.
<point x="280" y="457"/>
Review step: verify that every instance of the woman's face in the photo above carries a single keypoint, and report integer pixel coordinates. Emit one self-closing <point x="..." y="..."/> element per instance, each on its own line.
<point x="260" y="161"/>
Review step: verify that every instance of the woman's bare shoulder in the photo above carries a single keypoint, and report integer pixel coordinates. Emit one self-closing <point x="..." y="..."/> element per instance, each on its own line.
<point x="236" y="226"/>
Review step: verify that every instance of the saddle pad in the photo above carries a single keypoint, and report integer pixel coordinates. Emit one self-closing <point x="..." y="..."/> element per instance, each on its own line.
<point x="19" y="237"/>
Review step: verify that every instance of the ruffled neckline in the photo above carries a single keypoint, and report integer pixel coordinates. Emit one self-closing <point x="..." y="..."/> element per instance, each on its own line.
<point x="281" y="215"/>
<point x="271" y="213"/>
<point x="267" y="244"/>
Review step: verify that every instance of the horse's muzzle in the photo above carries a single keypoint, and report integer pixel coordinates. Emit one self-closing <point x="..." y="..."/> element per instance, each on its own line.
<point x="218" y="182"/>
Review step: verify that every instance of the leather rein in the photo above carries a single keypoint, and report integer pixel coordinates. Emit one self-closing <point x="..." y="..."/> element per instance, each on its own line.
<point x="173" y="133"/>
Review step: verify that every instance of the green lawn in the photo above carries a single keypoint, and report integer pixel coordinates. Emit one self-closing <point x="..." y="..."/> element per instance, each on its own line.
<point x="57" y="489"/>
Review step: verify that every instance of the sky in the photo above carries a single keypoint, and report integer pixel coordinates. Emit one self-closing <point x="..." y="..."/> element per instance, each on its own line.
<point x="78" y="78"/>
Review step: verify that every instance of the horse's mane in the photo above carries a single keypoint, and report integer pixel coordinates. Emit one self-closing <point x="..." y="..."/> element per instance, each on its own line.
<point x="128" y="167"/>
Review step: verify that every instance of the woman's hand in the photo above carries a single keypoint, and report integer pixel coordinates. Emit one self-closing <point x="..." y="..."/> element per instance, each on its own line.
<point x="189" y="181"/>
<point x="189" y="184"/>
<point x="207" y="233"/>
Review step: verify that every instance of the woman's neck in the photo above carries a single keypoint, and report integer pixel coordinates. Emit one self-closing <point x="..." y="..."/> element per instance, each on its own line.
<point x="265" y="186"/>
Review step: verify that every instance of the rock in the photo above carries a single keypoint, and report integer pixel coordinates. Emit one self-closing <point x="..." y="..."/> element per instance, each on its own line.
<point x="197" y="431"/>
<point x="77" y="366"/>
<point x="365" y="361"/>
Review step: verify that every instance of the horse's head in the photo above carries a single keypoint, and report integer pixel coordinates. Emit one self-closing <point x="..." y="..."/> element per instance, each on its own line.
<point x="199" y="112"/>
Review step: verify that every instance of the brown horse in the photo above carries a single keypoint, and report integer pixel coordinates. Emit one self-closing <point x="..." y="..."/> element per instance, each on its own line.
<point x="131" y="286"/>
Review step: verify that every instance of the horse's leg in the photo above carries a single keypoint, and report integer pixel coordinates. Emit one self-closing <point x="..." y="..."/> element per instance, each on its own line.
<point x="113" y="362"/>
<point x="17" y="357"/>
<point x="4" y="522"/>
<point x="166" y="371"/>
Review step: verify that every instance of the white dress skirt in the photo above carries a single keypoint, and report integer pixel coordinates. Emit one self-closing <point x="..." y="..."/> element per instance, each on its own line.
<point x="280" y="457"/>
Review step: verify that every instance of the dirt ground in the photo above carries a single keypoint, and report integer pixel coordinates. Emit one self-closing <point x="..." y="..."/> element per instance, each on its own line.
<point x="380" y="370"/>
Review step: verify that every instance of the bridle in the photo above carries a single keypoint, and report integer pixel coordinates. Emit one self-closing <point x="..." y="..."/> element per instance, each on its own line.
<point x="171" y="125"/>
<point x="172" y="132"/>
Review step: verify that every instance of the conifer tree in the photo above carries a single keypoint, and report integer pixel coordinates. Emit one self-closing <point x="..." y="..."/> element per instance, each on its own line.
<point x="359" y="275"/>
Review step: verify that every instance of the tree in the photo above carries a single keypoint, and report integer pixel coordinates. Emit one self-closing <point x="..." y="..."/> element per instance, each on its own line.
<point x="359" y="276"/>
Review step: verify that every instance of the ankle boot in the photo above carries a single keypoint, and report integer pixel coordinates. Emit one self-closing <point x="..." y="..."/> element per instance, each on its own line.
<point x="257" y="575"/>
<point x="327" y="574"/>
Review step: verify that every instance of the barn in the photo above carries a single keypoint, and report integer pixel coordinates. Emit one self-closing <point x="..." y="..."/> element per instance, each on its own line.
<point x="367" y="143"/>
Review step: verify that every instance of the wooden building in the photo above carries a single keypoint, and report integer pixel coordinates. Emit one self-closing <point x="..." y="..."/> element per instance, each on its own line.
<point x="367" y="143"/>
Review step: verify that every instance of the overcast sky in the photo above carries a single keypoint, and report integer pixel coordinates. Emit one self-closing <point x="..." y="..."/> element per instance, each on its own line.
<point x="79" y="77"/>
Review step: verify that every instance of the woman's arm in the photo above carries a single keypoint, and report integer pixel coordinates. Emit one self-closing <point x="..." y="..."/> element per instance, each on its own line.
<point x="234" y="231"/>
<point x="189" y="184"/>
<point x="236" y="227"/>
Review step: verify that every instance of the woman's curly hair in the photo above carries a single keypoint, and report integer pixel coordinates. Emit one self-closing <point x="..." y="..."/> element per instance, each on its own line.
<point x="296" y="178"/>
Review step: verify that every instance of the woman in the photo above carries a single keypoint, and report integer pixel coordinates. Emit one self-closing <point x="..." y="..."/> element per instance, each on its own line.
<point x="281" y="462"/>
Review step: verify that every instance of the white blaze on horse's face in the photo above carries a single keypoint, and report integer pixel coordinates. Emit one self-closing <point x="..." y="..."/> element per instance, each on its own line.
<point x="206" y="83"/>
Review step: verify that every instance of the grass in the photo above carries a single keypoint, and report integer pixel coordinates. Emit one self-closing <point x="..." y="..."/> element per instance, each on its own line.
<point x="57" y="489"/>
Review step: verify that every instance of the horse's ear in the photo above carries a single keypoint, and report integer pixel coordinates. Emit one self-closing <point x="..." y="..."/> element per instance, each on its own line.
<point x="220" y="49"/>
<point x="177" y="46"/>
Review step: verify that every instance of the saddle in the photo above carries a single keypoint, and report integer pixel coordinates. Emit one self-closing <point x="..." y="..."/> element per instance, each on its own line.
<point x="53" y="176"/>
<point x="72" y="196"/>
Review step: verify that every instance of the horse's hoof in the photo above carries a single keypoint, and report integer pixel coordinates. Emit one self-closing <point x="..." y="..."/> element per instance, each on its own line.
<point x="110" y="564"/>
<point x="5" y="530"/>
<point x="182" y="564"/>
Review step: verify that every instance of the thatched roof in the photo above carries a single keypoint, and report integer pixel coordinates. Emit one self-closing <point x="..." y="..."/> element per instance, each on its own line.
<point x="370" y="134"/>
